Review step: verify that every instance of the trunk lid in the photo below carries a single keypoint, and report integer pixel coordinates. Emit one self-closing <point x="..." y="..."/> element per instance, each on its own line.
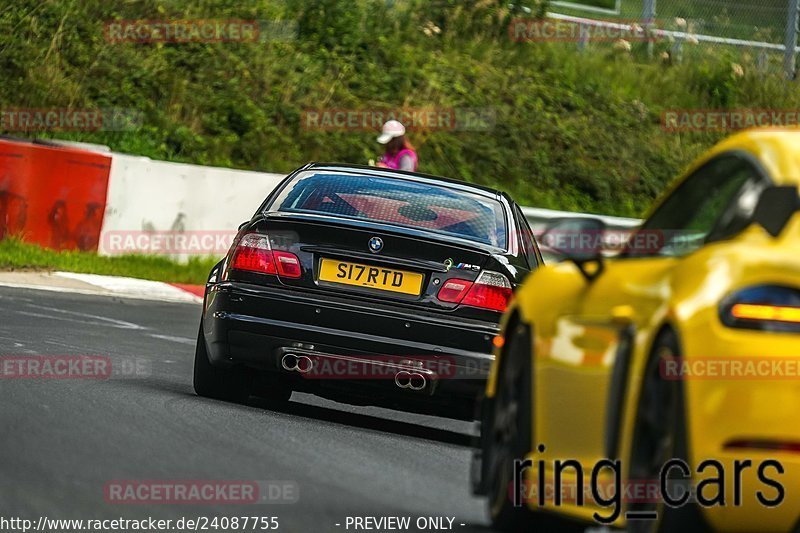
<point x="374" y="263"/>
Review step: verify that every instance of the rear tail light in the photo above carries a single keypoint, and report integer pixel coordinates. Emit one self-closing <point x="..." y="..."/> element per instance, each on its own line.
<point x="775" y="313"/>
<point x="764" y="307"/>
<point x="253" y="253"/>
<point x="288" y="264"/>
<point x="491" y="290"/>
<point x="454" y="290"/>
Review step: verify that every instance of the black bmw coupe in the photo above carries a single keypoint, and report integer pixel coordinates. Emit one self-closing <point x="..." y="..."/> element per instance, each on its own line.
<point x="366" y="286"/>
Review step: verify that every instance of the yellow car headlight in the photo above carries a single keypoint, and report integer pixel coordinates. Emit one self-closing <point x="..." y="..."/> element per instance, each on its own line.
<point x="763" y="307"/>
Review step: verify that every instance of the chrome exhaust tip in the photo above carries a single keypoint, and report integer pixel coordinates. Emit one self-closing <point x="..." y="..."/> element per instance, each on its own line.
<point x="417" y="381"/>
<point x="402" y="379"/>
<point x="297" y="363"/>
<point x="304" y="364"/>
<point x="289" y="362"/>
<point x="410" y="380"/>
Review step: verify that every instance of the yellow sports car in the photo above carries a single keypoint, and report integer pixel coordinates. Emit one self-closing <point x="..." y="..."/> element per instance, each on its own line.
<point x="659" y="389"/>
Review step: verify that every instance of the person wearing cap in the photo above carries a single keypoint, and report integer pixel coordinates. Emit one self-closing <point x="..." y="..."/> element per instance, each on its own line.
<point x="400" y="155"/>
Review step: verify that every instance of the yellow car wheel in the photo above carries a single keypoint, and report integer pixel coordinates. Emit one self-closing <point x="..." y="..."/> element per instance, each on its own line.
<point x="506" y="431"/>
<point x="659" y="436"/>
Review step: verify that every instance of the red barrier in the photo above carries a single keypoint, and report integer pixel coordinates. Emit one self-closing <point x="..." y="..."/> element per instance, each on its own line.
<point x="52" y="196"/>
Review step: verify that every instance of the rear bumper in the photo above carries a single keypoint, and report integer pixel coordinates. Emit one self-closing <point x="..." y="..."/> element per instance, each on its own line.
<point x="763" y="410"/>
<point x="752" y="404"/>
<point x="358" y="348"/>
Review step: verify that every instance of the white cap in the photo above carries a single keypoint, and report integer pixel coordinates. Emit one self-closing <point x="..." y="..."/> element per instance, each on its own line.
<point x="391" y="130"/>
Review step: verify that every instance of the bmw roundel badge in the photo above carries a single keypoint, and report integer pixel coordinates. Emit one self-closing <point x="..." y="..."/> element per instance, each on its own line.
<point x="375" y="245"/>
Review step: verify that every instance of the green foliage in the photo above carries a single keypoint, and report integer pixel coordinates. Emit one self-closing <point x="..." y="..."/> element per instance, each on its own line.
<point x="572" y="130"/>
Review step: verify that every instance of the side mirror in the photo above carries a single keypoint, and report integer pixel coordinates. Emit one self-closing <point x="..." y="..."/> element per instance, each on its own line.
<point x="578" y="239"/>
<point x="775" y="207"/>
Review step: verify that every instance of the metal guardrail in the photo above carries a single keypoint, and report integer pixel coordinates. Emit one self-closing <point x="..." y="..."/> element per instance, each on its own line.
<point x="657" y="32"/>
<point x="790" y="48"/>
<point x="538" y="218"/>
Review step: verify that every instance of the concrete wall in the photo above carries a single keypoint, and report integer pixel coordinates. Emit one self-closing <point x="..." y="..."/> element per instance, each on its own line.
<point x="148" y="197"/>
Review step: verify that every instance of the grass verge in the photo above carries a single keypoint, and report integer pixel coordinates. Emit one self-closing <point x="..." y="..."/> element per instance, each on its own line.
<point x="17" y="255"/>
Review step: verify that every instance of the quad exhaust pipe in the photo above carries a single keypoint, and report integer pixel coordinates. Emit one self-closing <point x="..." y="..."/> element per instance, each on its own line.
<point x="410" y="380"/>
<point x="297" y="363"/>
<point x="404" y="379"/>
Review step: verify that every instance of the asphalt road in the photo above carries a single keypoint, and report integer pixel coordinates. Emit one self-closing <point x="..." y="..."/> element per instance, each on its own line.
<point x="62" y="441"/>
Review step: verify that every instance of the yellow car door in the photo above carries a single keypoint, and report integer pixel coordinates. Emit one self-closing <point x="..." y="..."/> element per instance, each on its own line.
<point x="574" y="374"/>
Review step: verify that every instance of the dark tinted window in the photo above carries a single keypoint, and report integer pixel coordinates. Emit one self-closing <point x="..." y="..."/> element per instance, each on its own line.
<point x="714" y="203"/>
<point x="397" y="202"/>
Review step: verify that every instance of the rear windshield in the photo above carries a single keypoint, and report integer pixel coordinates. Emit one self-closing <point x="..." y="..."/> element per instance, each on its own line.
<point x="397" y="202"/>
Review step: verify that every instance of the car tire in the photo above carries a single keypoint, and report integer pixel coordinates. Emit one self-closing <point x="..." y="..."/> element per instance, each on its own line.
<point x="506" y="432"/>
<point x="661" y="423"/>
<point x="226" y="384"/>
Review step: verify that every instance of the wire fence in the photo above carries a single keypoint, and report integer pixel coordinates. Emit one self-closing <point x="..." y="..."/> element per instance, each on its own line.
<point x="764" y="30"/>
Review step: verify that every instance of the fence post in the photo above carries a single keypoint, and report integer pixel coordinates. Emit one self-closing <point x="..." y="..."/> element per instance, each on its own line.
<point x="677" y="50"/>
<point x="762" y="62"/>
<point x="584" y="37"/>
<point x="649" y="20"/>
<point x="789" y="57"/>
